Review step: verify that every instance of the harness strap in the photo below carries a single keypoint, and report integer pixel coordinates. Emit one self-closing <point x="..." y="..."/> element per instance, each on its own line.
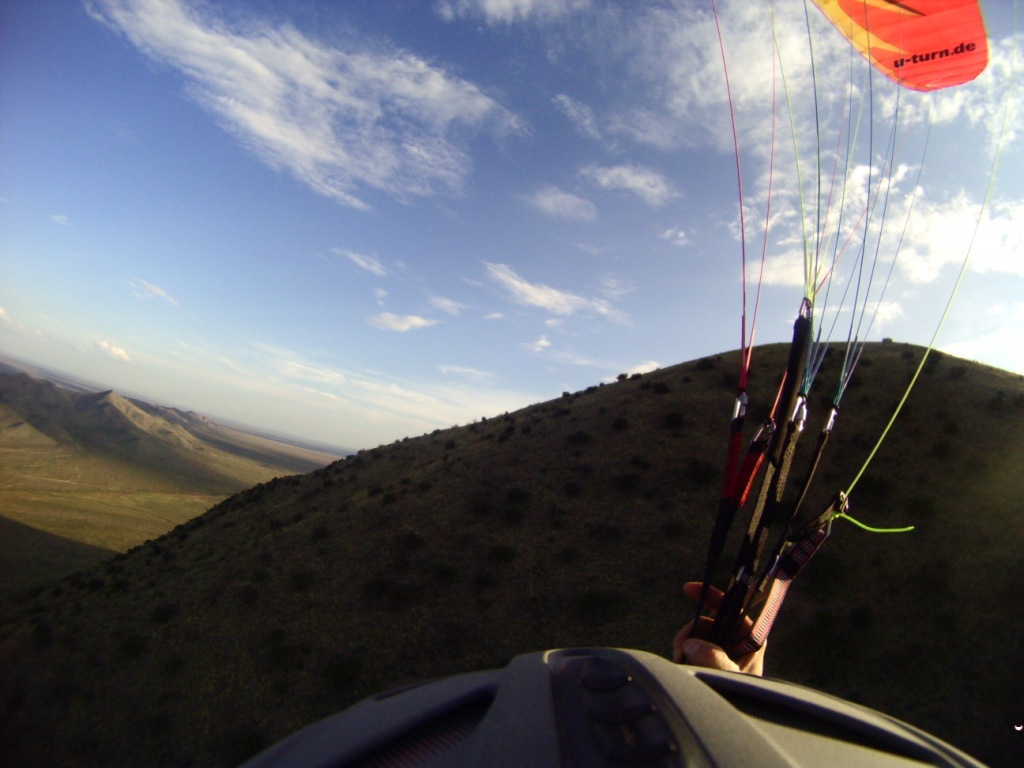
<point x="789" y="565"/>
<point x="802" y="547"/>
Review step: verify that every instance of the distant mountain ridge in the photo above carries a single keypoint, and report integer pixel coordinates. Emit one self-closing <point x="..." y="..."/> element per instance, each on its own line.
<point x="84" y="474"/>
<point x="106" y="421"/>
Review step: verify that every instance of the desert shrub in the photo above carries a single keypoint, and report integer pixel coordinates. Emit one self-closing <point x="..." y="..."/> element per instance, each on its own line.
<point x="661" y="388"/>
<point x="514" y="515"/>
<point x="445" y="573"/>
<point x="410" y="542"/>
<point x="862" y="617"/>
<point x="639" y="462"/>
<point x="578" y="439"/>
<point x="573" y="489"/>
<point x="605" y="533"/>
<point x="671" y="529"/>
<point x="163" y="613"/>
<point x="621" y="424"/>
<point x="626" y="481"/>
<point x="503" y="553"/>
<point x="388" y="592"/>
<point x="997" y="403"/>
<point x="596" y="607"/>
<point x="484" y="580"/>
<point x="42" y="635"/>
<point x="701" y="472"/>
<point x="480" y="505"/>
<point x="342" y="673"/>
<point x="174" y="664"/>
<point x="319" y="533"/>
<point x="132" y="646"/>
<point x="569" y="555"/>
<point x="920" y="506"/>
<point x="942" y="449"/>
<point x="674" y="420"/>
<point x="518" y="496"/>
<point x="241" y="743"/>
<point x="249" y="594"/>
<point x="705" y="364"/>
<point x="300" y="581"/>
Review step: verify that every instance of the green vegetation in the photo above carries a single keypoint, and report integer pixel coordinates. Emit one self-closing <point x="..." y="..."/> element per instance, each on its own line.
<point x="86" y="475"/>
<point x="303" y="594"/>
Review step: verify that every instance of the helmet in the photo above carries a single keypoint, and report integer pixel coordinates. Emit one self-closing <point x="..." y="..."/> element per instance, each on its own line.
<point x="586" y="707"/>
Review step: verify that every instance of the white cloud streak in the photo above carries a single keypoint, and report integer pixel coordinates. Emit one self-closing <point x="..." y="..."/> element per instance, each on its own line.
<point x="647" y="184"/>
<point x="580" y="115"/>
<point x="557" y="203"/>
<point x="545" y="297"/>
<point x="369" y="263"/>
<point x="145" y="291"/>
<point x="495" y="12"/>
<point x="676" y="236"/>
<point x="341" y="120"/>
<point x="473" y="374"/>
<point x="388" y="321"/>
<point x="539" y="345"/>
<point x="112" y="350"/>
<point x="450" y="306"/>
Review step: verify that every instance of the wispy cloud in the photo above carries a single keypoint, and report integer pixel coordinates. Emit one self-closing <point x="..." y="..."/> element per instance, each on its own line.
<point x="564" y="205"/>
<point x="539" y="345"/>
<point x="544" y="296"/>
<point x="113" y="351"/>
<point x="472" y="374"/>
<point x="647" y="184"/>
<point x="391" y="322"/>
<point x="495" y="12"/>
<point x="144" y="290"/>
<point x="580" y="115"/>
<point x="450" y="306"/>
<point x="61" y="218"/>
<point x="361" y="260"/>
<point x="340" y="119"/>
<point x="676" y="236"/>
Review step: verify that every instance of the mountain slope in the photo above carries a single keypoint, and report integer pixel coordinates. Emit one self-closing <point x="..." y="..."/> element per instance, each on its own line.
<point x="571" y="522"/>
<point x="110" y="472"/>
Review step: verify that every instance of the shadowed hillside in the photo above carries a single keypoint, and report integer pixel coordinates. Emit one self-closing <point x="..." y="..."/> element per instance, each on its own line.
<point x="570" y="522"/>
<point x="83" y="473"/>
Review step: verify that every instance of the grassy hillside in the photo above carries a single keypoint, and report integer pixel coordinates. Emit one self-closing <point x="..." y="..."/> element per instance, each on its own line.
<point x="99" y="472"/>
<point x="571" y="522"/>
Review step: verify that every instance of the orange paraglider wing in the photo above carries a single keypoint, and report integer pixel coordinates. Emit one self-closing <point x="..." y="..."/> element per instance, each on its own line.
<point x="920" y="44"/>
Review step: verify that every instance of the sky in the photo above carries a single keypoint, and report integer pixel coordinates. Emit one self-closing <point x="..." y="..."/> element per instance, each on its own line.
<point x="356" y="222"/>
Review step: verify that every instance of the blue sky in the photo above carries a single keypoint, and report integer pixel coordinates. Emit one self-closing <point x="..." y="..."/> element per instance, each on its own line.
<point x="353" y="222"/>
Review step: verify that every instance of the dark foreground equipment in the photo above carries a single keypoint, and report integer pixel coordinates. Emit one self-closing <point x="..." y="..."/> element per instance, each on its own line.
<point x="591" y="707"/>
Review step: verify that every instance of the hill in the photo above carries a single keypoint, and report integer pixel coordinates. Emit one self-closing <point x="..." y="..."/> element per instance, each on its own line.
<point x="571" y="522"/>
<point x="86" y="474"/>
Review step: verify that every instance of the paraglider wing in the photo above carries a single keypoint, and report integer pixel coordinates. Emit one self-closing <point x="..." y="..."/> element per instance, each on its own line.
<point x="920" y="44"/>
